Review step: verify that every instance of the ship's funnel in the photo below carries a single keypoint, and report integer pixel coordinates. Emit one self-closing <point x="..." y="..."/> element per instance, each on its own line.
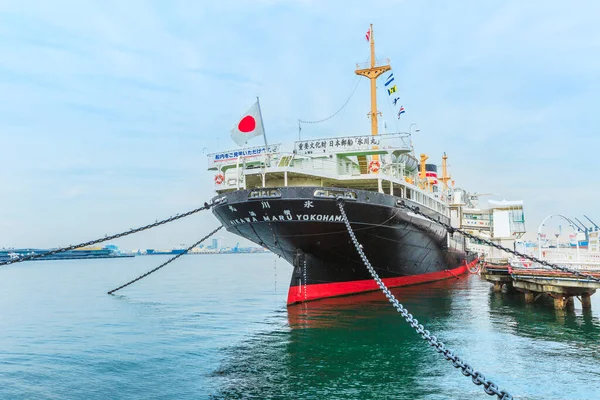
<point x="431" y="173"/>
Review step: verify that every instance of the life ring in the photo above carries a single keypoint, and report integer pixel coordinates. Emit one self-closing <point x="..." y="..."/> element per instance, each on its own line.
<point x="374" y="165"/>
<point x="474" y="267"/>
<point x="219" y="178"/>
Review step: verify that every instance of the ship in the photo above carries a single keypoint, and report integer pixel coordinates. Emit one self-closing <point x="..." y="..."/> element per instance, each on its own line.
<point x="163" y="252"/>
<point x="89" y="252"/>
<point x="285" y="201"/>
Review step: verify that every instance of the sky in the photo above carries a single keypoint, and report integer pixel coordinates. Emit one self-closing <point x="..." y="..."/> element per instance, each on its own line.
<point x="108" y="108"/>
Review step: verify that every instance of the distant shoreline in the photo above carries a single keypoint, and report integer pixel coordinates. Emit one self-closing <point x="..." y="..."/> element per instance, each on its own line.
<point x="206" y="252"/>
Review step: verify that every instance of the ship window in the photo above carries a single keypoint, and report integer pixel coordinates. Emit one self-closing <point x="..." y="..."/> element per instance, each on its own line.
<point x="264" y="193"/>
<point x="332" y="194"/>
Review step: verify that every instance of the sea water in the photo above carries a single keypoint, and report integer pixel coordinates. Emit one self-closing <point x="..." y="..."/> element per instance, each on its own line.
<point x="217" y="327"/>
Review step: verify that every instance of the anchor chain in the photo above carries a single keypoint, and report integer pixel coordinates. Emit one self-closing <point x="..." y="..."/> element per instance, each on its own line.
<point x="106" y="238"/>
<point x="452" y="229"/>
<point x="457" y="362"/>
<point x="166" y="262"/>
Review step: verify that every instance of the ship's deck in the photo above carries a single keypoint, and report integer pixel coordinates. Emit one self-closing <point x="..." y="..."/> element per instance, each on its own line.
<point x="383" y="164"/>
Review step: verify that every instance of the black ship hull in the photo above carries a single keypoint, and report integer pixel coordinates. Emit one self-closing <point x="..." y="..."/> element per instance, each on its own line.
<point x="304" y="226"/>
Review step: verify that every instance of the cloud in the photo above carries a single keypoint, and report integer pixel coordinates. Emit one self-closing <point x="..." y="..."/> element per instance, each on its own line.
<point x="114" y="102"/>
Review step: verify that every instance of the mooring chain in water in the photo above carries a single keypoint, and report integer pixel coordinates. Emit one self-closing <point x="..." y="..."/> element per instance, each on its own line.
<point x="206" y="206"/>
<point x="166" y="262"/>
<point x="452" y="229"/>
<point x="479" y="379"/>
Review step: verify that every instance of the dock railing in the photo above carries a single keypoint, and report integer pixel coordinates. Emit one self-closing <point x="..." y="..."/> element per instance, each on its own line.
<point x="581" y="265"/>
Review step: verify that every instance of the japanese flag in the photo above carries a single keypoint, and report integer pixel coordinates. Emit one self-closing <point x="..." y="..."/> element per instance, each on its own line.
<point x="249" y="126"/>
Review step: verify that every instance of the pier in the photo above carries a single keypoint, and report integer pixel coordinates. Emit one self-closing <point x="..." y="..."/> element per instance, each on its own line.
<point x="535" y="281"/>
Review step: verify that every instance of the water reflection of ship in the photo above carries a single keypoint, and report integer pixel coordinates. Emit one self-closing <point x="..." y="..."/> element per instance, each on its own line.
<point x="356" y="340"/>
<point x="429" y="300"/>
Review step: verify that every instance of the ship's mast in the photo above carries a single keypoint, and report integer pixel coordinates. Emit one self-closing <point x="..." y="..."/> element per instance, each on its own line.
<point x="445" y="177"/>
<point x="373" y="73"/>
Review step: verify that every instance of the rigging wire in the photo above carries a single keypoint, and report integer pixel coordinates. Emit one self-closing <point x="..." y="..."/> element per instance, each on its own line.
<point x="394" y="117"/>
<point x="301" y="121"/>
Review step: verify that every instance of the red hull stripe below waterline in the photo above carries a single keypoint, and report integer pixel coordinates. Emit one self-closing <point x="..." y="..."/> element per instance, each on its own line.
<point x="296" y="294"/>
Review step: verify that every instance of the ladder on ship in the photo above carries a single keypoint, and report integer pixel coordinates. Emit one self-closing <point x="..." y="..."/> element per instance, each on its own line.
<point x="285" y="161"/>
<point x="363" y="164"/>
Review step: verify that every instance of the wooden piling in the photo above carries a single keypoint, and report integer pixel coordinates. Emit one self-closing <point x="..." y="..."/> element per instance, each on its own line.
<point x="560" y="302"/>
<point x="586" y="301"/>
<point x="497" y="287"/>
<point x="529" y="297"/>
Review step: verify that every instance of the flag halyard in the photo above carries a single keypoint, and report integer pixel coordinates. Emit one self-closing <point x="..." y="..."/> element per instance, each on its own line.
<point x="402" y="111"/>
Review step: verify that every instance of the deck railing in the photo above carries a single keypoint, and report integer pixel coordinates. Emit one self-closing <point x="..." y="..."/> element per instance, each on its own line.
<point x="379" y="62"/>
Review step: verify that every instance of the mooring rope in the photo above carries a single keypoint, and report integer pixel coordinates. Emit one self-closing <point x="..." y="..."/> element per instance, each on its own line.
<point x="106" y="238"/>
<point x="166" y="262"/>
<point x="488" y="386"/>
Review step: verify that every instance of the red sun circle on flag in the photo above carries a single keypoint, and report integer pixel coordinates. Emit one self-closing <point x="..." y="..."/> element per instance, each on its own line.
<point x="247" y="124"/>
